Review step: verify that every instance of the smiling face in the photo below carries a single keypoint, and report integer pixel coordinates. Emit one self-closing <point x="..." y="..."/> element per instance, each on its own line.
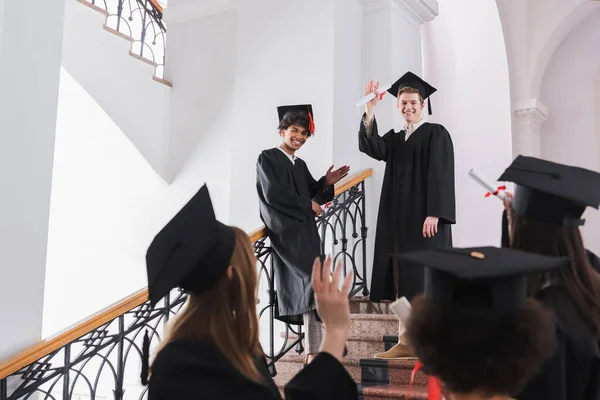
<point x="294" y="137"/>
<point x="410" y="104"/>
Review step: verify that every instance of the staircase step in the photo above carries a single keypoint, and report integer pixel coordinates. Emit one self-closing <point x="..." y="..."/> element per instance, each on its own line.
<point x="393" y="372"/>
<point x="362" y="370"/>
<point x="361" y="345"/>
<point x="362" y="305"/>
<point x="380" y="392"/>
<point x="374" y="324"/>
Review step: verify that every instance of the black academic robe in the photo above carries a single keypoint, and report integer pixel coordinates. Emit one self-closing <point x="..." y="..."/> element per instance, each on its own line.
<point x="594" y="260"/>
<point x="193" y="370"/>
<point x="285" y="192"/>
<point x="418" y="183"/>
<point x="573" y="372"/>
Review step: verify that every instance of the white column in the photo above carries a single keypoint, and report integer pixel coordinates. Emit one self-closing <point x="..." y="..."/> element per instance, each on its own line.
<point x="31" y="35"/>
<point x="529" y="116"/>
<point x="391" y="46"/>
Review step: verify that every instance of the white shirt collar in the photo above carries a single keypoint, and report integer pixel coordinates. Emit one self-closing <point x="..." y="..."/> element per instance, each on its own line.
<point x="291" y="157"/>
<point x="409" y="129"/>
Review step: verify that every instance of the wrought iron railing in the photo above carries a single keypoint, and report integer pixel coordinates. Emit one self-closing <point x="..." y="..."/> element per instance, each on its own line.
<point x="101" y="357"/>
<point x="142" y="20"/>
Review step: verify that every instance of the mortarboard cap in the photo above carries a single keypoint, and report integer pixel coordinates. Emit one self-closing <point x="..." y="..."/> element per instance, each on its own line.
<point x="553" y="193"/>
<point x="282" y="110"/>
<point x="192" y="251"/>
<point x="481" y="279"/>
<point x="411" y="80"/>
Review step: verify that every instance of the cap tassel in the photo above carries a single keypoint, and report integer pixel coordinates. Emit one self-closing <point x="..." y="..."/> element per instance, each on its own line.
<point x="311" y="123"/>
<point x="145" y="359"/>
<point x="429" y="105"/>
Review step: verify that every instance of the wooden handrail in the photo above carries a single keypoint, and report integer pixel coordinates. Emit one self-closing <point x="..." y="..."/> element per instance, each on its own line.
<point x="53" y="343"/>
<point x="157" y="5"/>
<point x="341" y="187"/>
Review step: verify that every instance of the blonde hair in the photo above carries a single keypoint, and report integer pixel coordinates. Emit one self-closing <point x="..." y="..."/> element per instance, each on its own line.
<point x="226" y="313"/>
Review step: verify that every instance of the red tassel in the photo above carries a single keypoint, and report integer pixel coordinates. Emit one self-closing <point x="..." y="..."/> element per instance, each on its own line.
<point x="434" y="389"/>
<point x="311" y="123"/>
<point x="434" y="385"/>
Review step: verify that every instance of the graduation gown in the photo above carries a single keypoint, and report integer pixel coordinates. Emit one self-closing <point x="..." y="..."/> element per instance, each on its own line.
<point x="194" y="369"/>
<point x="594" y="260"/>
<point x="573" y="372"/>
<point x="285" y="192"/>
<point x="418" y="182"/>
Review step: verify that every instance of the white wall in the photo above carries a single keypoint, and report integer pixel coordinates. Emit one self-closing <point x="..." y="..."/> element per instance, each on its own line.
<point x="286" y="59"/>
<point x="201" y="118"/>
<point x="29" y="79"/>
<point x="101" y="187"/>
<point x="569" y="89"/>
<point x="121" y="84"/>
<point x="465" y="58"/>
<point x="347" y="82"/>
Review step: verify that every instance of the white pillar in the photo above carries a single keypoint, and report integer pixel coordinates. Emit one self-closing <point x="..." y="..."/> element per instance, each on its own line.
<point x="391" y="46"/>
<point x="30" y="55"/>
<point x="529" y="116"/>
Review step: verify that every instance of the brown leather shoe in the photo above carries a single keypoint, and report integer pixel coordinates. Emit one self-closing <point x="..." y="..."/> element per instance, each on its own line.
<point x="398" y="351"/>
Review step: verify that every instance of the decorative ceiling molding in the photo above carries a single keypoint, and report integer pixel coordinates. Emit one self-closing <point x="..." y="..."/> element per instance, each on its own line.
<point x="420" y="11"/>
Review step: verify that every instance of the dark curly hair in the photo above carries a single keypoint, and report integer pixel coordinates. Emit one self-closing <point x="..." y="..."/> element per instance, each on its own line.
<point x="479" y="352"/>
<point x="295" y="117"/>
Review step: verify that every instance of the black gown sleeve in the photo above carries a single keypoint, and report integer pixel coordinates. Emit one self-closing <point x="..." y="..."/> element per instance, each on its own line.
<point x="374" y="145"/>
<point x="276" y="193"/>
<point x="319" y="190"/>
<point x="325" y="378"/>
<point x="505" y="239"/>
<point x="440" y="177"/>
<point x="551" y="383"/>
<point x="594" y="260"/>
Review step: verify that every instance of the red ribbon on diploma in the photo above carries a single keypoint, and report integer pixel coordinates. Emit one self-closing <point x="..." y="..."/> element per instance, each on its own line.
<point x="488" y="194"/>
<point x="434" y="385"/>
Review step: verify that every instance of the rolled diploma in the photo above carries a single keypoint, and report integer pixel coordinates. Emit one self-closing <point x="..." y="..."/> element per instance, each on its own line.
<point x="365" y="99"/>
<point x="487" y="185"/>
<point x="402" y="309"/>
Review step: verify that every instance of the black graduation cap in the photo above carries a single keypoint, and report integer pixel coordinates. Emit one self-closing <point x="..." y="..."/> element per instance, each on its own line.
<point x="553" y="193"/>
<point x="411" y="80"/>
<point x="481" y="279"/>
<point x="191" y="252"/>
<point x="282" y="110"/>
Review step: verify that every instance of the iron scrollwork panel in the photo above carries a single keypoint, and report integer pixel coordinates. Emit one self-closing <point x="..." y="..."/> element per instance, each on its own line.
<point x="105" y="363"/>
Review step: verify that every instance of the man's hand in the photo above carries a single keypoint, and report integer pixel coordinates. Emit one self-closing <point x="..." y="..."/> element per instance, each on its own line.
<point x="370" y="106"/>
<point x="333" y="177"/>
<point x="430" y="227"/>
<point x="316" y="209"/>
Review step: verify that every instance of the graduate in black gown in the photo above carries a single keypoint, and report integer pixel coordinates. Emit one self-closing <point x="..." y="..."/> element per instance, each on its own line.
<point x="544" y="217"/>
<point x="417" y="204"/>
<point x="290" y="199"/>
<point x="475" y="328"/>
<point x="211" y="349"/>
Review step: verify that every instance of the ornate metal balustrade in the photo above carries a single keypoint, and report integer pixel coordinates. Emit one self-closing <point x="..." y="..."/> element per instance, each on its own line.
<point x="104" y="361"/>
<point x="142" y="21"/>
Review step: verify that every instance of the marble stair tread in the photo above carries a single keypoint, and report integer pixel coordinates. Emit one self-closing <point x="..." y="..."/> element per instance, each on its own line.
<point x="380" y="392"/>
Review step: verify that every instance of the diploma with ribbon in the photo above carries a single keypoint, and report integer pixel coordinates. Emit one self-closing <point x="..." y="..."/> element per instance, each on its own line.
<point x="367" y="98"/>
<point x="492" y="189"/>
